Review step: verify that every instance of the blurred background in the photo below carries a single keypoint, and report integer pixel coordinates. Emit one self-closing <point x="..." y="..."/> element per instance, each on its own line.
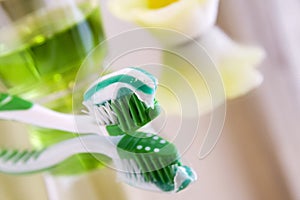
<point x="257" y="156"/>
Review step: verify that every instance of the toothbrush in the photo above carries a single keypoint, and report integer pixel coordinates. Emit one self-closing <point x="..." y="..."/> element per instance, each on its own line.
<point x="143" y="160"/>
<point x="124" y="98"/>
<point x="120" y="102"/>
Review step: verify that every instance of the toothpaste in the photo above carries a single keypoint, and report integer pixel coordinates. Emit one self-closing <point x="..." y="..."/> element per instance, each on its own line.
<point x="121" y="83"/>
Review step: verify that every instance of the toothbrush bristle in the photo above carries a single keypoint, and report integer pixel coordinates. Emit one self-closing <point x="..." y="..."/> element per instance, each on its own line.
<point x="155" y="160"/>
<point x="155" y="180"/>
<point x="127" y="112"/>
<point x="105" y="115"/>
<point x="130" y="173"/>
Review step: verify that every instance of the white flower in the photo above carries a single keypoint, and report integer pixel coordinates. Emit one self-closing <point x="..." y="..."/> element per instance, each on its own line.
<point x="190" y="17"/>
<point x="235" y="63"/>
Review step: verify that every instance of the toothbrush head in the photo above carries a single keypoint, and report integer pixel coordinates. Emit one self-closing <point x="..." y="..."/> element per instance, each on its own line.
<point x="123" y="101"/>
<point x="152" y="163"/>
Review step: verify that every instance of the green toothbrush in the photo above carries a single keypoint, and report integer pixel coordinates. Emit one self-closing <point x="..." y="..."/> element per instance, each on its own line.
<point x="142" y="160"/>
<point x="120" y="102"/>
<point x="124" y="100"/>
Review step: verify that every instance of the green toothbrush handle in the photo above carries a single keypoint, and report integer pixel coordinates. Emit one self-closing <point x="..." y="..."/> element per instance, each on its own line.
<point x="17" y="109"/>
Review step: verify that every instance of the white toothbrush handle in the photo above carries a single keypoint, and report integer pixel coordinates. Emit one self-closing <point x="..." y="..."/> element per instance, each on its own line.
<point x="46" y="118"/>
<point x="16" y="162"/>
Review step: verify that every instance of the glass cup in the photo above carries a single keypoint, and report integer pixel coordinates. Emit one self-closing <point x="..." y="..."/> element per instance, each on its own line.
<point x="42" y="46"/>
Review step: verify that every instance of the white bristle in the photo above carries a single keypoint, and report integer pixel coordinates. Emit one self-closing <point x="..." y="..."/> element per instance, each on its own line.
<point x="103" y="113"/>
<point x="130" y="172"/>
<point x="84" y="111"/>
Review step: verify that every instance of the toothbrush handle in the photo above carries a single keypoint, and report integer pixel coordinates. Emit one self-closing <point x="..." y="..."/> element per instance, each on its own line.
<point x="22" y="162"/>
<point x="46" y="118"/>
<point x="17" y="109"/>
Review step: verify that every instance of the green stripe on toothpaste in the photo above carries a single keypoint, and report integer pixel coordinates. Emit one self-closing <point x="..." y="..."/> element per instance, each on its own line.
<point x="137" y="84"/>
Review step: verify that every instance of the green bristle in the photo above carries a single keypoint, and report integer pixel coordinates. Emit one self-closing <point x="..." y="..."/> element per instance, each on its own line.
<point x="129" y="121"/>
<point x="131" y="113"/>
<point x="116" y="107"/>
<point x="140" y="109"/>
<point x="166" y="171"/>
<point x="134" y="111"/>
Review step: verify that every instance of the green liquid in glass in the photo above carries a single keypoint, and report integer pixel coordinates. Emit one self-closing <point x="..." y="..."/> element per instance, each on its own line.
<point x="39" y="59"/>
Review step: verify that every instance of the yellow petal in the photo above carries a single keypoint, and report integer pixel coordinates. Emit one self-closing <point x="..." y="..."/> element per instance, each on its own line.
<point x="154" y="4"/>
